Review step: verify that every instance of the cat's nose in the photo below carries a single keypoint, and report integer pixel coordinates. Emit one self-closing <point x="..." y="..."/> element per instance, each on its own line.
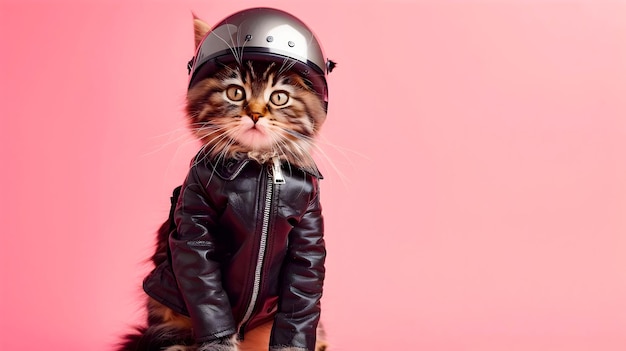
<point x="255" y="116"/>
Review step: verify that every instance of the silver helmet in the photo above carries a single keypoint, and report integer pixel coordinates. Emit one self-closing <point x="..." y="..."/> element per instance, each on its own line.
<point x="262" y="34"/>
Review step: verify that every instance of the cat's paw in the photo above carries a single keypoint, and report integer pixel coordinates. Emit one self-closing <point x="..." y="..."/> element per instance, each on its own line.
<point x="223" y="344"/>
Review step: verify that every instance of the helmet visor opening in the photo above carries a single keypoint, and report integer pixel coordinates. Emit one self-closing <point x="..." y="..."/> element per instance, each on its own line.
<point x="310" y="72"/>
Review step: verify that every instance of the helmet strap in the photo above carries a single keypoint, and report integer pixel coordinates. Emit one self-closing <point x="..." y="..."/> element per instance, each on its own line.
<point x="190" y="65"/>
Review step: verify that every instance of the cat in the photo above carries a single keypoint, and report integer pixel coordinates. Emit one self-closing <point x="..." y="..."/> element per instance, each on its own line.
<point x="249" y="111"/>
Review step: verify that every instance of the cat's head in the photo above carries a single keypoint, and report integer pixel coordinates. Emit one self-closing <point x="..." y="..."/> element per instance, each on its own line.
<point x="256" y="109"/>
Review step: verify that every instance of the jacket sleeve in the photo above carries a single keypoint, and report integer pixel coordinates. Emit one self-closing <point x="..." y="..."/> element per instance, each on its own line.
<point x="195" y="263"/>
<point x="302" y="280"/>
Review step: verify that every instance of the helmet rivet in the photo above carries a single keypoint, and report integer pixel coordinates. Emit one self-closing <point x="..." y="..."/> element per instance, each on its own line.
<point x="291" y="44"/>
<point x="248" y="37"/>
<point x="269" y="39"/>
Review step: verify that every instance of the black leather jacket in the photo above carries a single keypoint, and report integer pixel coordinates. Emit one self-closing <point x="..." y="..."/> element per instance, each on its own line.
<point x="247" y="250"/>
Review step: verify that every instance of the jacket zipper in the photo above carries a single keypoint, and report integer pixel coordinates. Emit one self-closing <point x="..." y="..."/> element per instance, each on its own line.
<point x="277" y="171"/>
<point x="273" y="177"/>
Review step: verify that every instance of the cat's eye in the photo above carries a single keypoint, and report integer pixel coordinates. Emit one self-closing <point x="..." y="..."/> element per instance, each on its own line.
<point x="235" y="93"/>
<point x="279" y="98"/>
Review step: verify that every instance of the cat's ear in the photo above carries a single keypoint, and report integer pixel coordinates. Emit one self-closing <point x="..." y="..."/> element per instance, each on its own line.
<point x="200" y="29"/>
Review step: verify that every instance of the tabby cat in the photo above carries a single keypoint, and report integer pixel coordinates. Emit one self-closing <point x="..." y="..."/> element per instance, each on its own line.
<point x="262" y="111"/>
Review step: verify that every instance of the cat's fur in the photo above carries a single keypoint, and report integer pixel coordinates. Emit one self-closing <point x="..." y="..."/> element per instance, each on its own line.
<point x="248" y="109"/>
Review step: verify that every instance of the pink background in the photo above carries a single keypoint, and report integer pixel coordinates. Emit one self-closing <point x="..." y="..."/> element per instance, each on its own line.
<point x="477" y="199"/>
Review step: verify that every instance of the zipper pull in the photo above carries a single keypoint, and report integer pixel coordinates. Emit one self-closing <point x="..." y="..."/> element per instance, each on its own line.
<point x="277" y="171"/>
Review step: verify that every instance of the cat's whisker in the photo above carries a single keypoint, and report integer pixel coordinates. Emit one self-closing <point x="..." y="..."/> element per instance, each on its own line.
<point x="197" y="159"/>
<point x="209" y="127"/>
<point x="226" y="142"/>
<point x="184" y="129"/>
<point x="207" y="135"/>
<point x="210" y="153"/>
<point x="305" y="155"/>
<point x="178" y="149"/>
<point x="311" y="142"/>
<point x="284" y="150"/>
<point x="205" y="155"/>
<point x="183" y="135"/>
<point x="242" y="48"/>
<point x="299" y="153"/>
<point x="232" y="50"/>
<point x="297" y="134"/>
<point x="217" y="144"/>
<point x="330" y="162"/>
<point x="342" y="150"/>
<point x="286" y="65"/>
<point x="210" y="146"/>
<point x="320" y="139"/>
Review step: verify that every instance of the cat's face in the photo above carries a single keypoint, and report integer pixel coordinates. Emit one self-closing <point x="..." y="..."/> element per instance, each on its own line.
<point x="255" y="109"/>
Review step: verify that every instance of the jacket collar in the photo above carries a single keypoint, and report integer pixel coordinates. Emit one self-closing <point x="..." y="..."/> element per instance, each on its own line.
<point x="229" y="169"/>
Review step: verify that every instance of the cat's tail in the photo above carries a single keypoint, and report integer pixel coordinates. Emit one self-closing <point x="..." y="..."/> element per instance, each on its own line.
<point x="155" y="338"/>
<point x="132" y="341"/>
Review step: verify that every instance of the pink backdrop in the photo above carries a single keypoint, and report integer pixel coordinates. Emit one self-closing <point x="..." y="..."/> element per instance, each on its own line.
<point x="477" y="199"/>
